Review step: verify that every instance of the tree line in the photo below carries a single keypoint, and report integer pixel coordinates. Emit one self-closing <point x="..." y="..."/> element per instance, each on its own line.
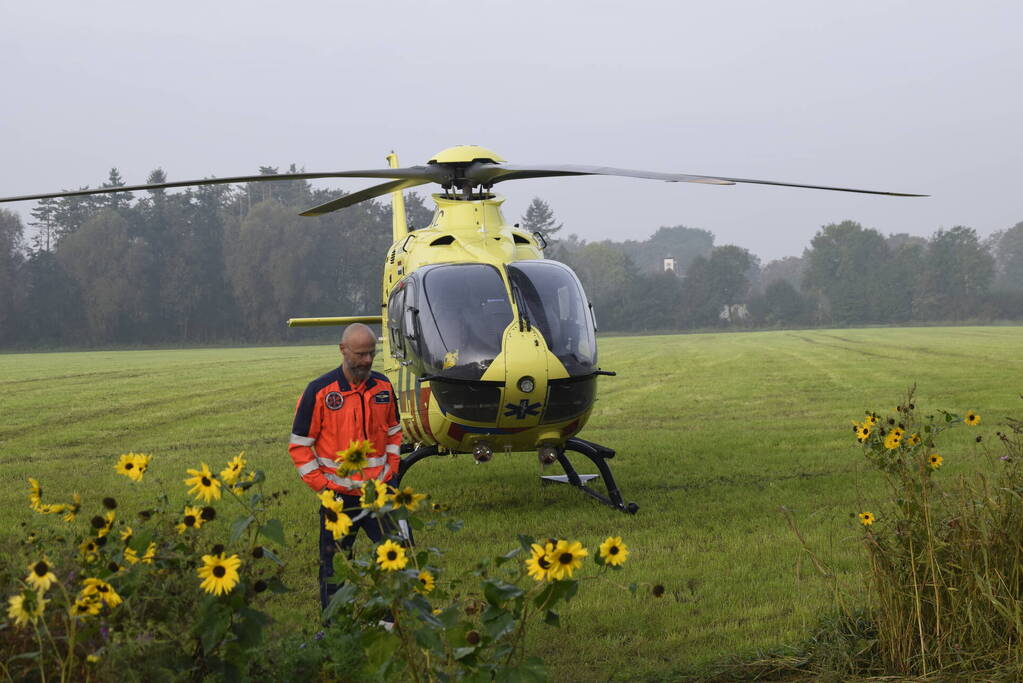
<point x="229" y="264"/>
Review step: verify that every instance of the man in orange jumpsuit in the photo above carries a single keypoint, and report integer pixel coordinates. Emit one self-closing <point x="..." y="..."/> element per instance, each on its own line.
<point x="349" y="403"/>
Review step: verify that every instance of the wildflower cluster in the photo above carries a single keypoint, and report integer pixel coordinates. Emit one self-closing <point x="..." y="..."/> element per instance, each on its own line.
<point x="131" y="569"/>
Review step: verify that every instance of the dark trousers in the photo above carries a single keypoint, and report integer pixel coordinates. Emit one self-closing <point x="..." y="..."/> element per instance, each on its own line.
<point x="376" y="529"/>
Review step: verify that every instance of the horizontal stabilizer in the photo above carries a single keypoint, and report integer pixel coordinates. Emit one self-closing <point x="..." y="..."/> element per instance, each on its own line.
<point x="342" y="320"/>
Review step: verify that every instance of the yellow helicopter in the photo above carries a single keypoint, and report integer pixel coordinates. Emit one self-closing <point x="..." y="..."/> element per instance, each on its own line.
<point x="489" y="346"/>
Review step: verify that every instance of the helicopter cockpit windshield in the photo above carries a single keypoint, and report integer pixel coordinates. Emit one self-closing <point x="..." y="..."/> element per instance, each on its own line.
<point x="555" y="303"/>
<point x="463" y="313"/>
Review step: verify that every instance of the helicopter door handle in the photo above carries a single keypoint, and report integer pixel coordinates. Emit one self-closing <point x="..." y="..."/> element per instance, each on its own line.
<point x="405" y="242"/>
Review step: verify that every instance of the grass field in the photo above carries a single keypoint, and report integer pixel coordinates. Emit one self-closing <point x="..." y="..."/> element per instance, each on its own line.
<point x="714" y="433"/>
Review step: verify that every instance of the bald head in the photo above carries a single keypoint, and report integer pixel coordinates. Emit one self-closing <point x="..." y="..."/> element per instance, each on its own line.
<point x="357" y="331"/>
<point x="358" y="347"/>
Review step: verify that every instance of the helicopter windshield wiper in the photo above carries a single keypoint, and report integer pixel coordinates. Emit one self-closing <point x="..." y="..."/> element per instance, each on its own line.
<point x="520" y="303"/>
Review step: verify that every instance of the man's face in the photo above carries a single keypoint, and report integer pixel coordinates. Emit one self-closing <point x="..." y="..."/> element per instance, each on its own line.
<point x="357" y="356"/>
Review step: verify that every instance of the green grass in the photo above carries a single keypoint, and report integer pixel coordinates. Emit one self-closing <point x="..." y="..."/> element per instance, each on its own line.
<point x="714" y="433"/>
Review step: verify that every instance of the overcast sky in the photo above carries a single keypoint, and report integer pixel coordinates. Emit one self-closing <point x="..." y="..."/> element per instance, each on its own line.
<point x="904" y="96"/>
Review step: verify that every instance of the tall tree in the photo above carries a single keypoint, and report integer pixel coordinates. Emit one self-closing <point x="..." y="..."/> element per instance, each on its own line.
<point x="117" y="201"/>
<point x="956" y="275"/>
<point x="1007" y="249"/>
<point x="843" y="266"/>
<point x="720" y="280"/>
<point x="11" y="233"/>
<point x="540" y="218"/>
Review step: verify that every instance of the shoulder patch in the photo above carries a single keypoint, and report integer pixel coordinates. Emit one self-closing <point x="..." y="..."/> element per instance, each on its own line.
<point x="382" y="397"/>
<point x="334" y="400"/>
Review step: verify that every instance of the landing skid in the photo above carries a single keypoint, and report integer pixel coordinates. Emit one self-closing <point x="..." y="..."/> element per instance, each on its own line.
<point x="597" y="454"/>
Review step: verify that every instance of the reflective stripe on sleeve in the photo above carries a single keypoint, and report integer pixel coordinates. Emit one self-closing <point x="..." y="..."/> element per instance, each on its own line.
<point x="302" y="440"/>
<point x="383" y="473"/>
<point x="393" y="448"/>
<point x="310" y="466"/>
<point x="344" y="482"/>
<point x="378" y="461"/>
<point x="394" y="430"/>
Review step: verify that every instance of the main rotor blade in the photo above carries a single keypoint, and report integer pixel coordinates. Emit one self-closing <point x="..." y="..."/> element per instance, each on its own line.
<point x="484" y="173"/>
<point x="363" y="195"/>
<point x="424" y="174"/>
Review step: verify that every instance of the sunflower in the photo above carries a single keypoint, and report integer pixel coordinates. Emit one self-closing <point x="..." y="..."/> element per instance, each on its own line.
<point x="128" y="466"/>
<point x="131" y="556"/>
<point x="147" y="557"/>
<point x="913" y="439"/>
<point x="104" y="524"/>
<point x="566" y="558"/>
<point x="334" y="520"/>
<point x="866" y="518"/>
<point x="355" y="457"/>
<point x="539" y="563"/>
<point x="234" y="468"/>
<point x="379" y="496"/>
<point x="862" y="432"/>
<point x="24" y="611"/>
<point x="86" y="606"/>
<point x="219" y="573"/>
<point x="935" y="461"/>
<point x="89" y="550"/>
<point x="126" y="534"/>
<point x="141" y="463"/>
<point x="204" y="484"/>
<point x="102" y="590"/>
<point x="407" y="498"/>
<point x="243" y="483"/>
<point x="426" y="582"/>
<point x="870" y="420"/>
<point x="613" y="551"/>
<point x="35" y="495"/>
<point x="893" y="440"/>
<point x="391" y="556"/>
<point x="40" y="575"/>
<point x="972" y="418"/>
<point x="50" y="508"/>
<point x="71" y="509"/>
<point x="192" y="519"/>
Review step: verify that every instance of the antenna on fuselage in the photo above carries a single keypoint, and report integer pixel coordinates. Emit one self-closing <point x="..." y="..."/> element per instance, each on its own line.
<point x="399" y="224"/>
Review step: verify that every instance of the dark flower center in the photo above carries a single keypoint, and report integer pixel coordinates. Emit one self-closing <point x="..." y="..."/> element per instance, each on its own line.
<point x="330" y="515"/>
<point x="102" y="588"/>
<point x="128" y="465"/>
<point x="206" y="481"/>
<point x="260" y="586"/>
<point x="219" y="571"/>
<point x="217" y="549"/>
<point x="189" y="520"/>
<point x="208" y="513"/>
<point x="110" y="503"/>
<point x="98" y="522"/>
<point x="41" y="569"/>
<point x="565" y="558"/>
<point x="392" y="555"/>
<point x="614" y="550"/>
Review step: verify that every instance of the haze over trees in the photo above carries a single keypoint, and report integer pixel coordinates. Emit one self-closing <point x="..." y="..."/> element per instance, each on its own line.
<point x="220" y="264"/>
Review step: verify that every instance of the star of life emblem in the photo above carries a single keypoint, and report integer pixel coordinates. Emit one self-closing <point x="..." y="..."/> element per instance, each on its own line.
<point x="334" y="400"/>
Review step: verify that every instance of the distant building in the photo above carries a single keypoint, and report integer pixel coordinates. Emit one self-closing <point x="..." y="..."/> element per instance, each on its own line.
<point x="669" y="264"/>
<point x="734" y="313"/>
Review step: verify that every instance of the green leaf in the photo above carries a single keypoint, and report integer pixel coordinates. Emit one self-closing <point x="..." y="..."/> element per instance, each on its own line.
<point x="511" y="554"/>
<point x="239" y="526"/>
<point x="497" y="622"/>
<point x="551" y="618"/>
<point x="249" y="627"/>
<point x="276" y="586"/>
<point x="455" y="525"/>
<point x="633" y="588"/>
<point x="463" y="652"/>
<point x="213" y="626"/>
<point x="269" y="554"/>
<point x="380" y="652"/>
<point x="428" y="639"/>
<point x="529" y="671"/>
<point x="526" y="542"/>
<point x="274" y="530"/>
<point x="497" y="591"/>
<point x="342" y="596"/>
